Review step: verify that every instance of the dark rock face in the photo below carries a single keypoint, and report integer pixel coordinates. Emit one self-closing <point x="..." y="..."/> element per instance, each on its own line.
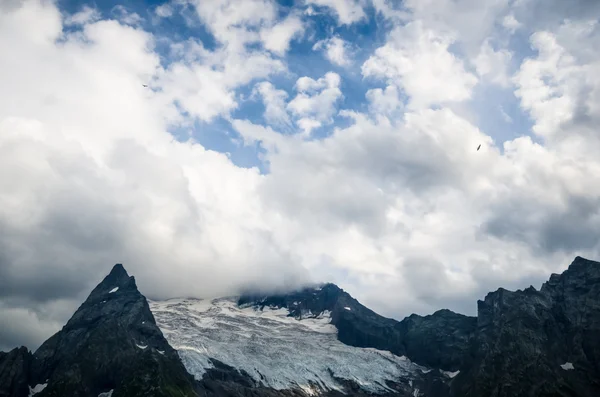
<point x="524" y="337"/>
<point x="111" y="343"/>
<point x="15" y="369"/>
<point x="440" y="340"/>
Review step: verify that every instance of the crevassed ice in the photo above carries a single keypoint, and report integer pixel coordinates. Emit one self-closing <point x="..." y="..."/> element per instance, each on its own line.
<point x="276" y="350"/>
<point x="36" y="389"/>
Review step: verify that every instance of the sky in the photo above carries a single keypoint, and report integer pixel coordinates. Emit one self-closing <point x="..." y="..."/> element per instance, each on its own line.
<point x="281" y="143"/>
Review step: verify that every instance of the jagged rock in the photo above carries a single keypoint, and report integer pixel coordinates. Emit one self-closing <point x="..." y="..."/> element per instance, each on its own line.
<point x="15" y="367"/>
<point x="111" y="343"/>
<point x="538" y="343"/>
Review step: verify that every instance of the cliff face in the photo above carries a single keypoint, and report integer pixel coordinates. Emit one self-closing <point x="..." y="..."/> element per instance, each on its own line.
<point x="538" y="343"/>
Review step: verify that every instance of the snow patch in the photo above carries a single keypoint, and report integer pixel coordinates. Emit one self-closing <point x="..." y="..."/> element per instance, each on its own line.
<point x="416" y="393"/>
<point x="161" y="352"/>
<point x="37" y="388"/>
<point x="567" y="366"/>
<point x="347" y="308"/>
<point x="106" y="394"/>
<point x="450" y="374"/>
<point x="265" y="343"/>
<point x="141" y="346"/>
<point x="113" y="290"/>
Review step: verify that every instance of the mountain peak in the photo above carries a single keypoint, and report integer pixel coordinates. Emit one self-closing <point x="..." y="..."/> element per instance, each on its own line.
<point x="118" y="271"/>
<point x="111" y="342"/>
<point x="583" y="262"/>
<point x="117" y="279"/>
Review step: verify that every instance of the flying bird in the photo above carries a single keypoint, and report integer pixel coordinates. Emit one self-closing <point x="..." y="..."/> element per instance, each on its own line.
<point x="145" y="85"/>
<point x="478" y="147"/>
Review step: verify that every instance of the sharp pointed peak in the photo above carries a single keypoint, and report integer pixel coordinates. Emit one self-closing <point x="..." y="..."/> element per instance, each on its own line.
<point x="118" y="271"/>
<point x="118" y="277"/>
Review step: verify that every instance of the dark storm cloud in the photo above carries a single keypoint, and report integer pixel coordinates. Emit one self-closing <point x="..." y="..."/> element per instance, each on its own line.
<point x="20" y="327"/>
<point x="61" y="257"/>
<point x="573" y="228"/>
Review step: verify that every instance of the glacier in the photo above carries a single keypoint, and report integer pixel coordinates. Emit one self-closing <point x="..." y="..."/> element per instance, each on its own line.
<point x="274" y="349"/>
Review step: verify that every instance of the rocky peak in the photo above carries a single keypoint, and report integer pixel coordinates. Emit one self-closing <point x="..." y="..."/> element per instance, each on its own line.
<point x="111" y="343"/>
<point x="117" y="279"/>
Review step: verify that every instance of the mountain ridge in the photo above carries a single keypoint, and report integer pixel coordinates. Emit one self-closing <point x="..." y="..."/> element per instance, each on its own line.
<point x="542" y="342"/>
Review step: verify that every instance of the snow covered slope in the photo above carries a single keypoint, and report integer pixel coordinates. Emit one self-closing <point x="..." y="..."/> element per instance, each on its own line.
<point x="273" y="349"/>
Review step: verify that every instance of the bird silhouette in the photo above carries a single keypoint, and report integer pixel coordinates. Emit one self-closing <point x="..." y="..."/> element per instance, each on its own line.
<point x="478" y="147"/>
<point x="145" y="85"/>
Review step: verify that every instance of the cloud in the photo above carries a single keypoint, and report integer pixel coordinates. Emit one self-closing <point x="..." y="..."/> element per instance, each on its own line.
<point x="493" y="65"/>
<point x="539" y="15"/>
<point x="277" y="38"/>
<point x="390" y="200"/>
<point x="236" y="23"/>
<point x="470" y="22"/>
<point x="86" y="15"/>
<point x="204" y="82"/>
<point x="164" y="10"/>
<point x="384" y="101"/>
<point x="336" y="50"/>
<point x="559" y="86"/>
<point x="316" y="99"/>
<point x="107" y="183"/>
<point x="23" y="327"/>
<point x="346" y="11"/>
<point x="126" y="17"/>
<point x="510" y="23"/>
<point x="275" y="103"/>
<point x="418" y="60"/>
